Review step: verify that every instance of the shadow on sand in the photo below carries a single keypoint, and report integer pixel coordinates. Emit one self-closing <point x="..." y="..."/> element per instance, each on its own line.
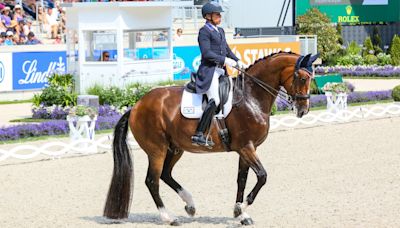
<point x="154" y="219"/>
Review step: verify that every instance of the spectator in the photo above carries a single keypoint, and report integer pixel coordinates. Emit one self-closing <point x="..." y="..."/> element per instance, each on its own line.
<point x="2" y="38"/>
<point x="32" y="39"/>
<point x="105" y="56"/>
<point x="5" y="16"/>
<point x="9" y="39"/>
<point x="178" y="35"/>
<point x="51" y="24"/>
<point x="18" y="14"/>
<point x="3" y="28"/>
<point x="27" y="27"/>
<point x="22" y="39"/>
<point x="58" y="40"/>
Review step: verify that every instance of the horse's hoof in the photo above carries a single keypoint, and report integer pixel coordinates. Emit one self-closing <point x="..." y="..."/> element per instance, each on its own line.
<point x="175" y="223"/>
<point x="237" y="210"/>
<point x="247" y="222"/>
<point x="190" y="210"/>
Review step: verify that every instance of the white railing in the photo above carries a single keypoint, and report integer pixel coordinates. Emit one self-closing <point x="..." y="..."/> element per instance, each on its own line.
<point x="341" y="116"/>
<point x="86" y="146"/>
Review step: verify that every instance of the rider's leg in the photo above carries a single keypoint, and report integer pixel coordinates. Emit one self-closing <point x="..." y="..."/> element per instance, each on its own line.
<point x="209" y="111"/>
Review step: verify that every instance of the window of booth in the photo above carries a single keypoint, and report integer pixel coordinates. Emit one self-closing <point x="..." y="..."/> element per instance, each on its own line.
<point x="146" y="44"/>
<point x="100" y="45"/>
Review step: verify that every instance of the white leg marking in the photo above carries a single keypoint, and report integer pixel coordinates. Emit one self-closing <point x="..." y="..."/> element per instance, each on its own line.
<point x="165" y="217"/>
<point x="186" y="197"/>
<point x="243" y="216"/>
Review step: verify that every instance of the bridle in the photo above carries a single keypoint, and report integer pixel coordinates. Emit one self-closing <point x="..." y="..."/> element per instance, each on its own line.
<point x="287" y="98"/>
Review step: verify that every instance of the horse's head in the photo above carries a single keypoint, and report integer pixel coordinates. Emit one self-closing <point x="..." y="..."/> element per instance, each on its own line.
<point x="297" y="83"/>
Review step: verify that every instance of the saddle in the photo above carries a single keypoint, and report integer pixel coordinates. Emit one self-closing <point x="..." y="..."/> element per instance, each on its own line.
<point x="193" y="104"/>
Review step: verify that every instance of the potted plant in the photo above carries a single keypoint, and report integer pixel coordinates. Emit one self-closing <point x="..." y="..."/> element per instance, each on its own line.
<point x="81" y="121"/>
<point x="336" y="96"/>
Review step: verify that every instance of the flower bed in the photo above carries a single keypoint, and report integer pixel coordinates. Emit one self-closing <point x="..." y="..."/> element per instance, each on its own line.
<point x="355" y="97"/>
<point x="108" y="117"/>
<point x="361" y="71"/>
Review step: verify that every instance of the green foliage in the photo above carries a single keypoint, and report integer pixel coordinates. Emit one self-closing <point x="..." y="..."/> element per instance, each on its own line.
<point x="313" y="22"/>
<point x="370" y="60"/>
<point x="59" y="92"/>
<point x="117" y="96"/>
<point x="368" y="48"/>
<point x="384" y="59"/>
<point x="376" y="41"/>
<point x="314" y="87"/>
<point x="396" y="93"/>
<point x="354" y="48"/>
<point x="350" y="60"/>
<point x="339" y="33"/>
<point x="395" y="50"/>
<point x="274" y="109"/>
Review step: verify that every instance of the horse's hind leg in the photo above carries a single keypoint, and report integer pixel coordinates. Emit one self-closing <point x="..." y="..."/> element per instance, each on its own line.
<point x="173" y="156"/>
<point x="156" y="162"/>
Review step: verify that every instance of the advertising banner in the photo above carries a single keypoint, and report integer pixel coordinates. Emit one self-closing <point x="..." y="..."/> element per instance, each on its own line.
<point x="31" y="69"/>
<point x="187" y="58"/>
<point x="5" y="72"/>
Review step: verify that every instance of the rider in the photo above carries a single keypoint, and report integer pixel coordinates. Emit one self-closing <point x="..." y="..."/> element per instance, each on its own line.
<point x="215" y="55"/>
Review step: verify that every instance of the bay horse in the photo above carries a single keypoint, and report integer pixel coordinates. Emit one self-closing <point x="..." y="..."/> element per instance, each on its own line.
<point x="164" y="134"/>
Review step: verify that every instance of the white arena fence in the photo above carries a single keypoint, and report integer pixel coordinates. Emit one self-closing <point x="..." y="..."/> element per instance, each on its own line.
<point x="86" y="146"/>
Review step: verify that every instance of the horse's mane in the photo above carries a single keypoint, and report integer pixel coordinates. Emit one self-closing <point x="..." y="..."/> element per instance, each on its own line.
<point x="269" y="56"/>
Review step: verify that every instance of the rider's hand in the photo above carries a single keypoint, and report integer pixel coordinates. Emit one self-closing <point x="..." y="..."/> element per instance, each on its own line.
<point x="230" y="62"/>
<point x="241" y="65"/>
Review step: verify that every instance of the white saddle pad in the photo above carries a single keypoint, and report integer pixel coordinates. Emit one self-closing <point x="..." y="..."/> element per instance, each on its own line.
<point x="191" y="104"/>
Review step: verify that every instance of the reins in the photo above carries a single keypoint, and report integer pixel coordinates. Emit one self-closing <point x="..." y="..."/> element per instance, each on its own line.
<point x="283" y="95"/>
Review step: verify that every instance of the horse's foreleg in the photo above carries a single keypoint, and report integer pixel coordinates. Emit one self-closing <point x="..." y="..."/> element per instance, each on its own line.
<point x="248" y="153"/>
<point x="241" y="183"/>
<point x="153" y="183"/>
<point x="172" y="157"/>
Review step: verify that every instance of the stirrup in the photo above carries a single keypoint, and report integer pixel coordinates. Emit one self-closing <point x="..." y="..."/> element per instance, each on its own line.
<point x="200" y="140"/>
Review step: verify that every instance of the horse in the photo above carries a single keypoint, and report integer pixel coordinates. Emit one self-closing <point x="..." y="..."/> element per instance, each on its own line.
<point x="164" y="134"/>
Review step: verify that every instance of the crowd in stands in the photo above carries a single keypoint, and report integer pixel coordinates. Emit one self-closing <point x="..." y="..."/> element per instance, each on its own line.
<point x="17" y="17"/>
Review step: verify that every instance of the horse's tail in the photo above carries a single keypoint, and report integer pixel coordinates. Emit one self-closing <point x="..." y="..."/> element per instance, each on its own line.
<point x="120" y="192"/>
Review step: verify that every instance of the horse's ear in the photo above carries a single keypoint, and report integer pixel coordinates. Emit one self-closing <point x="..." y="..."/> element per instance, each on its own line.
<point x="304" y="61"/>
<point x="312" y="59"/>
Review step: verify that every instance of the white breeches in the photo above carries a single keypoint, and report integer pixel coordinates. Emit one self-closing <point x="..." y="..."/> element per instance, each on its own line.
<point x="213" y="91"/>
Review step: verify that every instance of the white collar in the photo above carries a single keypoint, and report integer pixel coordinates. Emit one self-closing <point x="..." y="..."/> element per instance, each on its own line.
<point x="215" y="27"/>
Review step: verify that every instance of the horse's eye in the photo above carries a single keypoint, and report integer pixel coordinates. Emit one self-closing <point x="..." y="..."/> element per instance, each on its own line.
<point x="303" y="80"/>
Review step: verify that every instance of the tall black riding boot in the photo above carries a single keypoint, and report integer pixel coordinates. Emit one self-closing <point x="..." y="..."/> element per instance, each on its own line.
<point x="205" y="121"/>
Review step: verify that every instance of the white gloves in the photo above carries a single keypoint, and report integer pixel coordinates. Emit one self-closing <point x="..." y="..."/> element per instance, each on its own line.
<point x="241" y="65"/>
<point x="230" y="62"/>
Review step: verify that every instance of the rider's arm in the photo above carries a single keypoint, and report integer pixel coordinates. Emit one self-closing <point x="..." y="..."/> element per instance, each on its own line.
<point x="205" y="47"/>
<point x="229" y="51"/>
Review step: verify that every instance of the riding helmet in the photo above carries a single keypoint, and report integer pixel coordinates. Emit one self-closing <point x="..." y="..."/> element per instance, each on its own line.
<point x="211" y="7"/>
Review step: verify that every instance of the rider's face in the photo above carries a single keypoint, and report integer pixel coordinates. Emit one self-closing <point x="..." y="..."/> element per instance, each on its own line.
<point x="215" y="18"/>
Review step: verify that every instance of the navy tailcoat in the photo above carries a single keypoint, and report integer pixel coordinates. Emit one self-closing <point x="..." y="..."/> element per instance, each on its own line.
<point x="213" y="49"/>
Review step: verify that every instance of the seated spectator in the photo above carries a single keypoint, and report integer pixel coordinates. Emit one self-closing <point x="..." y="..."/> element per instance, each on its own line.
<point x="58" y="40"/>
<point x="22" y="39"/>
<point x="32" y="39"/>
<point x="105" y="56"/>
<point x="9" y="39"/>
<point x="51" y="23"/>
<point x="18" y="14"/>
<point x="178" y="35"/>
<point x="5" y="16"/>
<point x="27" y="27"/>
<point x="3" y="28"/>
<point x="2" y="38"/>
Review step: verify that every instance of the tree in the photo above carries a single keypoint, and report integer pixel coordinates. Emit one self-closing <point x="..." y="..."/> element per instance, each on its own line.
<point x="395" y="50"/>
<point x="368" y="48"/>
<point x="313" y="22"/>
<point x="376" y="41"/>
<point x="339" y="32"/>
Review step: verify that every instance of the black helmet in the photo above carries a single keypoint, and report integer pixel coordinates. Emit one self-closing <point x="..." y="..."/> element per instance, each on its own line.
<point x="211" y="7"/>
